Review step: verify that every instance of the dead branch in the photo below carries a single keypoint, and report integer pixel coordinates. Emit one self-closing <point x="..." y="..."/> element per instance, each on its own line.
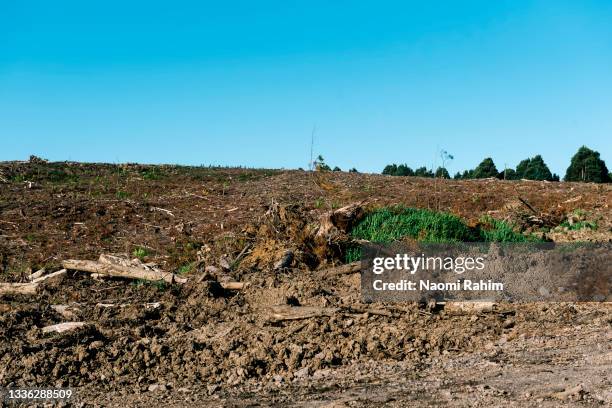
<point x="121" y="271"/>
<point x="281" y="313"/>
<point x="528" y="205"/>
<point x="54" y="275"/>
<point x="241" y="255"/>
<point x="36" y="274"/>
<point x="346" y="269"/>
<point x="63" y="327"/>
<point x="162" y="210"/>
<point x="378" y="312"/>
<point x="10" y="289"/>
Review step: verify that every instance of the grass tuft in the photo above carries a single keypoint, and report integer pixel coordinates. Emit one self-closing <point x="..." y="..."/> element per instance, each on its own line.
<point x="389" y="224"/>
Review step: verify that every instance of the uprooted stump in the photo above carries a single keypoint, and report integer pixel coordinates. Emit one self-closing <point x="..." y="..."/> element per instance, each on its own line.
<point x="334" y="227"/>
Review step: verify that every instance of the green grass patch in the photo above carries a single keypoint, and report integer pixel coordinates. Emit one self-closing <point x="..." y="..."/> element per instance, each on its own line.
<point x="185" y="269"/>
<point x="580" y="225"/>
<point x="140" y="253"/>
<point x="390" y="224"/>
<point x="122" y="195"/>
<point x="153" y="173"/>
<point x="160" y="285"/>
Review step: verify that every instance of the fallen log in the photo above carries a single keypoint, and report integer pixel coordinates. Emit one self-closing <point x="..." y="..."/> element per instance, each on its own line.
<point x="29" y="288"/>
<point x="459" y="308"/>
<point x="346" y="269"/>
<point x="121" y="271"/>
<point x="281" y="313"/>
<point x="10" y="289"/>
<point x="63" y="327"/>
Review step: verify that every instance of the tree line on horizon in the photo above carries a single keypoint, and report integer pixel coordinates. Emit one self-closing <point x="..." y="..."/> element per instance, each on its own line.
<point x="586" y="166"/>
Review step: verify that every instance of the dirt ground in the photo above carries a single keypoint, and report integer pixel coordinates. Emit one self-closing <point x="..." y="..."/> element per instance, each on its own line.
<point x="199" y="344"/>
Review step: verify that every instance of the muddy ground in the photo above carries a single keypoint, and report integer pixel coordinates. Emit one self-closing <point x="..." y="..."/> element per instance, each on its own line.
<point x="198" y="344"/>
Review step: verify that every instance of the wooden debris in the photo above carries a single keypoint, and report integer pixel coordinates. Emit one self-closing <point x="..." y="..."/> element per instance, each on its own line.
<point x="378" y="312"/>
<point x="346" y="269"/>
<point x="569" y="393"/>
<point x="36" y="274"/>
<point x="233" y="285"/>
<point x="528" y="205"/>
<point x="162" y="210"/>
<point x="10" y="289"/>
<point x="281" y="313"/>
<point x="241" y="255"/>
<point x="152" y="305"/>
<point x="573" y="200"/>
<point x="66" y="311"/>
<point x="339" y="221"/>
<point x="121" y="271"/>
<point x="63" y="327"/>
<point x="29" y="288"/>
<point x="459" y="308"/>
<point x="285" y="260"/>
<point x="57" y="275"/>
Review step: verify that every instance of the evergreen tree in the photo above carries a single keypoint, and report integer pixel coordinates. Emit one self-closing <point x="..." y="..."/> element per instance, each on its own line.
<point x="485" y="169"/>
<point x="441" y="172"/>
<point x="508" y="174"/>
<point x="403" y="170"/>
<point x="390" y="170"/>
<point x="533" y="169"/>
<point x="423" y="172"/>
<point x="587" y="166"/>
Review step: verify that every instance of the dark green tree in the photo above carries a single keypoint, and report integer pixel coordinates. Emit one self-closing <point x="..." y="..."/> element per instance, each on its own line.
<point x="587" y="166"/>
<point x="507" y="174"/>
<point x="441" y="172"/>
<point x="390" y="170"/>
<point x="337" y="169"/>
<point x="533" y="169"/>
<point x="423" y="172"/>
<point x="353" y="170"/>
<point x="485" y="169"/>
<point x="404" y="170"/>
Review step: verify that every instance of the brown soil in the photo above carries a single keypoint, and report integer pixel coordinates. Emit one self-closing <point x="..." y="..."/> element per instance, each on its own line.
<point x="204" y="346"/>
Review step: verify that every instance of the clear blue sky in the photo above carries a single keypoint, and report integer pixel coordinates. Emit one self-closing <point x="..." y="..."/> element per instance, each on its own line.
<point x="243" y="82"/>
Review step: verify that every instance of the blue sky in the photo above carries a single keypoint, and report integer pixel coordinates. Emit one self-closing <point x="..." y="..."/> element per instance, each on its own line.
<point x="244" y="82"/>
